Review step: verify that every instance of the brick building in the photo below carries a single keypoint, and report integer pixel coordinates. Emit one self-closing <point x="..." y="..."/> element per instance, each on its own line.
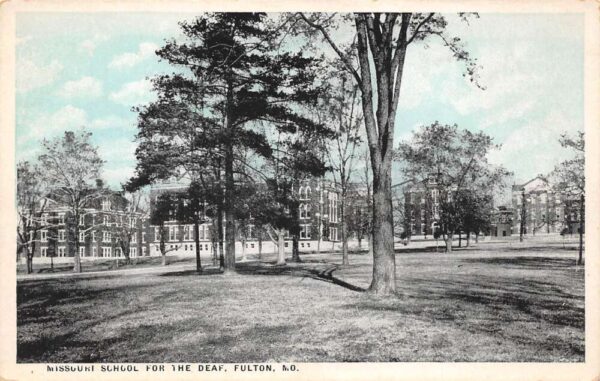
<point x="544" y="210"/>
<point x="98" y="228"/>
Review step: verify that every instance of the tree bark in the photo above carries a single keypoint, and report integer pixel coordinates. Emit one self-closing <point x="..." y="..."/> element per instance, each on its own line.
<point x="468" y="238"/>
<point x="345" y="260"/>
<point x="243" y="241"/>
<point x="197" y="243"/>
<point x="220" y="236"/>
<point x="259" y="246"/>
<point x="581" y="226"/>
<point x="29" y="258"/>
<point x="280" y="248"/>
<point x="73" y="220"/>
<point x="295" y="248"/>
<point x="229" y="265"/>
<point x="384" y="261"/>
<point x="449" y="242"/>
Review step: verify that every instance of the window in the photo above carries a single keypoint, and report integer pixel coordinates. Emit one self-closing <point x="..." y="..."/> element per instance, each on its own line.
<point x="187" y="232"/>
<point x="132" y="222"/>
<point x="44" y="219"/>
<point x="134" y="237"/>
<point x="308" y="191"/>
<point x="333" y="207"/>
<point x="106" y="237"/>
<point x="133" y="251"/>
<point x="61" y="218"/>
<point x="434" y="195"/>
<point x="305" y="231"/>
<point x="307" y="210"/>
<point x="156" y="234"/>
<point x="61" y="235"/>
<point x="173" y="233"/>
<point x="44" y="252"/>
<point x="333" y="234"/>
<point x="82" y="251"/>
<point x="105" y="220"/>
<point x="143" y="237"/>
<point x="300" y="193"/>
<point x="144" y="251"/>
<point x="94" y="251"/>
<point x="106" y="252"/>
<point x="106" y="205"/>
<point x="301" y="211"/>
<point x="206" y="246"/>
<point x="81" y="237"/>
<point x="82" y="219"/>
<point x="61" y="251"/>
<point x="93" y="236"/>
<point x="44" y="235"/>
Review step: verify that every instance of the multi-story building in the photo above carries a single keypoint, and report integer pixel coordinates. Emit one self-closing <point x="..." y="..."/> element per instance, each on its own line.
<point x="319" y="217"/>
<point x="502" y="222"/>
<point x="421" y="208"/>
<point x="542" y="209"/>
<point x="99" y="228"/>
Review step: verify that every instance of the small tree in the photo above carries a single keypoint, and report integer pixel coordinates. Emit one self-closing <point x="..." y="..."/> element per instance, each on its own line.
<point x="126" y="227"/>
<point x="71" y="167"/>
<point x="164" y="209"/>
<point x="31" y="204"/>
<point x="569" y="178"/>
<point x="452" y="162"/>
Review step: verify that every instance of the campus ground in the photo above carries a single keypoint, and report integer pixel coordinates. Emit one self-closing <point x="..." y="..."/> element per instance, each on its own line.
<point x="497" y="301"/>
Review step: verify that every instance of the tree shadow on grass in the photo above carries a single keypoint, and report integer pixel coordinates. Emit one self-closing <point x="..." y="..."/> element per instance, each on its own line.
<point x="529" y="262"/>
<point x="205" y="272"/>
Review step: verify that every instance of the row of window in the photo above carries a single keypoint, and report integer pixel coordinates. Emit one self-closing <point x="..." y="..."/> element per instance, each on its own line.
<point x="106" y="236"/>
<point x="105" y="252"/>
<point x="172" y="232"/>
<point x="106" y="220"/>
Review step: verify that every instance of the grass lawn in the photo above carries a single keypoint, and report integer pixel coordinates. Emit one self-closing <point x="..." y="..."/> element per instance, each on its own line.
<point x="490" y="303"/>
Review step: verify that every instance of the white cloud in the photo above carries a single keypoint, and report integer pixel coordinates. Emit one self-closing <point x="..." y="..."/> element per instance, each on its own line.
<point x="133" y="93"/>
<point x="32" y="75"/>
<point x="112" y="121"/>
<point x="115" y="176"/>
<point x="88" y="87"/>
<point x="126" y="60"/>
<point x="67" y="118"/>
<point x="119" y="150"/>
<point x="533" y="148"/>
<point x="89" y="45"/>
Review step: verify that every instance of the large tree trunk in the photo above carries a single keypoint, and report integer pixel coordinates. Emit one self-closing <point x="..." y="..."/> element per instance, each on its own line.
<point x="468" y="238"/>
<point x="384" y="261"/>
<point x="345" y="260"/>
<point x="243" y="241"/>
<point x="229" y="265"/>
<point x="29" y="259"/>
<point x="73" y="223"/>
<point x="280" y="248"/>
<point x="197" y="243"/>
<point x="220" y="236"/>
<point x="581" y="227"/>
<point x="162" y="246"/>
<point x="449" y="242"/>
<point x="260" y="246"/>
<point x="459" y="239"/>
<point x="295" y="248"/>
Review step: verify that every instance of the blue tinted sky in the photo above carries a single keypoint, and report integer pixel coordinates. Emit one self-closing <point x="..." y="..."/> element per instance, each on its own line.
<point x="89" y="69"/>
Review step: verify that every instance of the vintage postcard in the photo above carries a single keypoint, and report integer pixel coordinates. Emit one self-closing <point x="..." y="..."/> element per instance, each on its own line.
<point x="300" y="190"/>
